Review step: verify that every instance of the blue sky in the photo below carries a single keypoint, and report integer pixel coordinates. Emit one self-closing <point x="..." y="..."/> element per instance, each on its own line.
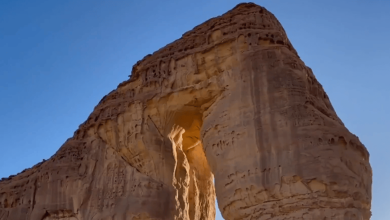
<point x="59" y="58"/>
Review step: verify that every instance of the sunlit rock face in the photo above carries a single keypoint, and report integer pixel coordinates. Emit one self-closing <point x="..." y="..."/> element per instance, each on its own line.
<point x="230" y="100"/>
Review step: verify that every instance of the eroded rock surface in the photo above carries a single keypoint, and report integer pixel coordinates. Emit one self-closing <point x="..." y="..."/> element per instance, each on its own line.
<point x="230" y="100"/>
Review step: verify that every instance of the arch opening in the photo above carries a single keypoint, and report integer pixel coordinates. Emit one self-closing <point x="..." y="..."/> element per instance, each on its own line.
<point x="193" y="178"/>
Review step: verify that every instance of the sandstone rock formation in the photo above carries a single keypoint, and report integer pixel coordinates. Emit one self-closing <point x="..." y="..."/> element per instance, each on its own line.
<point x="230" y="100"/>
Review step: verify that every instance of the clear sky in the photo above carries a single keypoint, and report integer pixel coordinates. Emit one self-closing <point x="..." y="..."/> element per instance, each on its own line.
<point x="59" y="58"/>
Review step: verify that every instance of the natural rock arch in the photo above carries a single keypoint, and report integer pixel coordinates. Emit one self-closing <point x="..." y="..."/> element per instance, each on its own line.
<point x="230" y="100"/>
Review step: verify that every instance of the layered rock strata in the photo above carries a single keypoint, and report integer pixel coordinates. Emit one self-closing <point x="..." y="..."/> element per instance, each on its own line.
<point x="232" y="101"/>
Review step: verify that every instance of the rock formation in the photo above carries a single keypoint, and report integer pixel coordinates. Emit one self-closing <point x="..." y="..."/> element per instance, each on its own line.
<point x="230" y="100"/>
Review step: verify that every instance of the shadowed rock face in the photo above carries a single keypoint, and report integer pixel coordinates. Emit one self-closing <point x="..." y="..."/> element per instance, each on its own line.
<point x="230" y="100"/>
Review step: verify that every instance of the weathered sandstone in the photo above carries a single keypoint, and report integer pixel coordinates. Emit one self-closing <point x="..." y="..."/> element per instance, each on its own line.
<point x="230" y="100"/>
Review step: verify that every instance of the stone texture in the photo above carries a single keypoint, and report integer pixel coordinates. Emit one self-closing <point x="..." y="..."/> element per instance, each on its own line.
<point x="230" y="100"/>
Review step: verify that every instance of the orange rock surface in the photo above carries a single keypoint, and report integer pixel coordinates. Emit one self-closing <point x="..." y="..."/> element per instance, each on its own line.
<point x="232" y="101"/>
